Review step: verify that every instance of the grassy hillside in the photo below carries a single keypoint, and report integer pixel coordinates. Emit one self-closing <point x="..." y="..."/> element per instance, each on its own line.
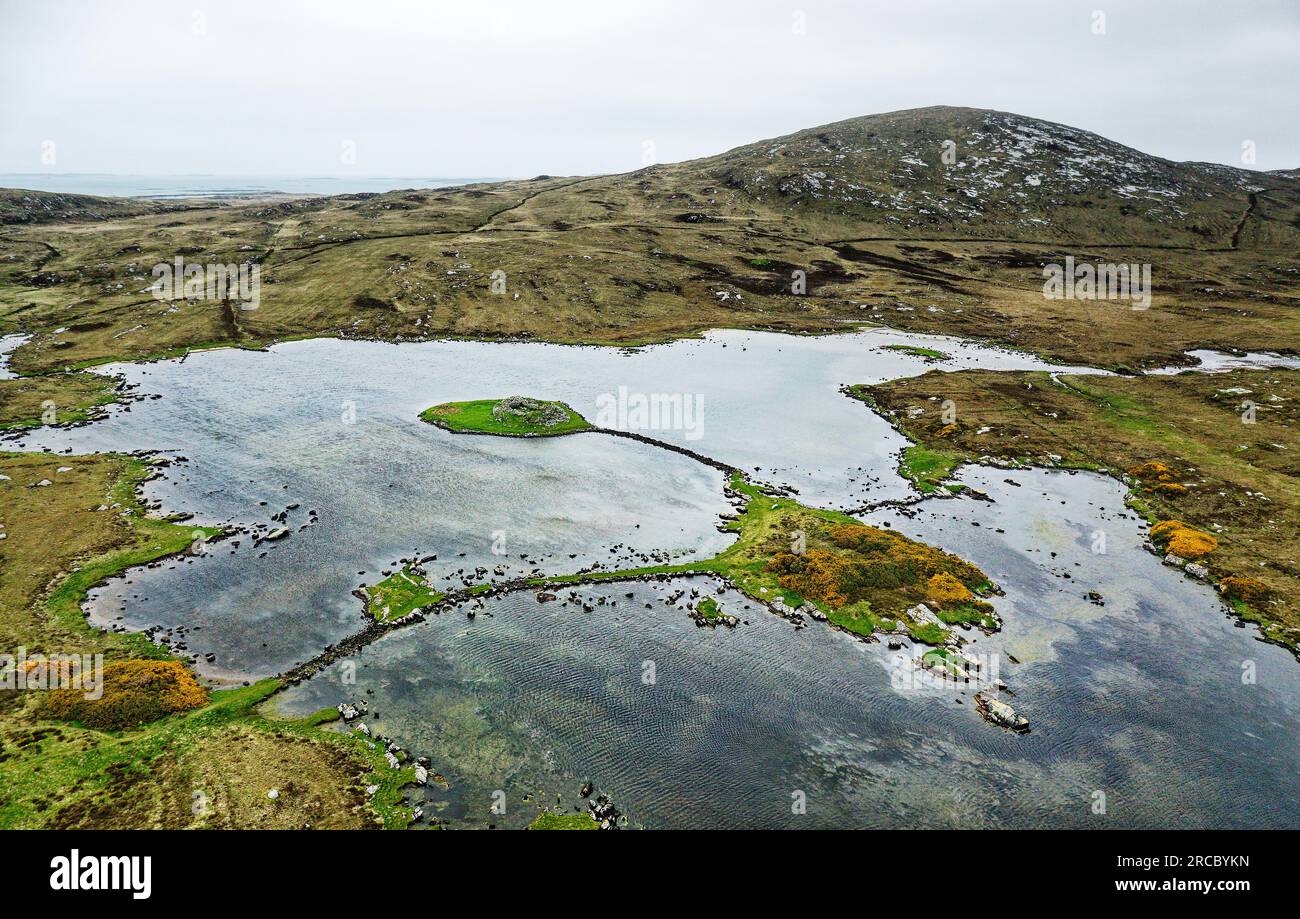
<point x="881" y="229"/>
<point x="215" y="760"/>
<point x="21" y="205"/>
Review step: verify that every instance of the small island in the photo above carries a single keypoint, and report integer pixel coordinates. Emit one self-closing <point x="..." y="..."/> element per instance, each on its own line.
<point x="513" y="416"/>
<point x="400" y="594"/>
<point x="929" y="354"/>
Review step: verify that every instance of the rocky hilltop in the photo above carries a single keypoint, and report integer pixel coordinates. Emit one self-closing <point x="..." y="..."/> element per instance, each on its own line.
<point x="972" y="172"/>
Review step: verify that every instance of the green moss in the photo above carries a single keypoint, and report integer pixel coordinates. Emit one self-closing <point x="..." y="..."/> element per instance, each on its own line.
<point x="708" y="608"/>
<point x="548" y="820"/>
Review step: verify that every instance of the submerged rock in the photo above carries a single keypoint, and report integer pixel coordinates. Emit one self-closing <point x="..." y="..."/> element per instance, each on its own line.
<point x="995" y="711"/>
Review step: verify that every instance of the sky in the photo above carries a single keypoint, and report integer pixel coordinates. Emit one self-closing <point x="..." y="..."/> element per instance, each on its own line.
<point x="523" y="87"/>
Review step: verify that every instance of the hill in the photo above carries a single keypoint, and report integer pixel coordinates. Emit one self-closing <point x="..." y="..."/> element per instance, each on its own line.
<point x="976" y="173"/>
<point x="21" y="205"/>
<point x="864" y="220"/>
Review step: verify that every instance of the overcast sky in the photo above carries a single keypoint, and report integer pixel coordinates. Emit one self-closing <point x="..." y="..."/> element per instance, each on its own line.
<point x="524" y="87"/>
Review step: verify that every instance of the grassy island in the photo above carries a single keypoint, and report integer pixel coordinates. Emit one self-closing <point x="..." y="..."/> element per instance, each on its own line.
<point x="930" y="354"/>
<point x="399" y="594"/>
<point x="513" y="416"/>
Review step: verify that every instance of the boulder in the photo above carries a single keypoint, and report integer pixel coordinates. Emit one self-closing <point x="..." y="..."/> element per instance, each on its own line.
<point x="995" y="711"/>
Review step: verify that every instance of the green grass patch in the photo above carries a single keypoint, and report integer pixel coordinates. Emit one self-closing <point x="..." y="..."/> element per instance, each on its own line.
<point x="527" y="418"/>
<point x="399" y="594"/>
<point x="968" y="614"/>
<point x="547" y="820"/>
<point x="59" y="398"/>
<point x="917" y="351"/>
<point x="928" y="633"/>
<point x="927" y="468"/>
<point x="73" y="763"/>
<point x="944" y="659"/>
<point x="859" y="619"/>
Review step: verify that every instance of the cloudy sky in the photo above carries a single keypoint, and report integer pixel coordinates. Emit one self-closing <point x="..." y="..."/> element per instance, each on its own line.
<point x="521" y="87"/>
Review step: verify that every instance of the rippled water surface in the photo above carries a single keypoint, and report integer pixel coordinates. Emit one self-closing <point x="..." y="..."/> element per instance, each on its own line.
<point x="1139" y="703"/>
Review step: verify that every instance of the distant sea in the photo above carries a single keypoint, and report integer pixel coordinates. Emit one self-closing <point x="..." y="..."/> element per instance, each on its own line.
<point x="218" y="186"/>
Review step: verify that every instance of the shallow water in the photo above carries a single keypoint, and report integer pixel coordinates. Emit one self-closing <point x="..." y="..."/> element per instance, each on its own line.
<point x="333" y="426"/>
<point x="1141" y="699"/>
<point x="8" y="343"/>
<point x="1209" y="361"/>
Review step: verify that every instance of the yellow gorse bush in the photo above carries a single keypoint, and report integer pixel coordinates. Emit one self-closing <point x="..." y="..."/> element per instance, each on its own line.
<point x="135" y="692"/>
<point x="1183" y="540"/>
<point x="945" y="590"/>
